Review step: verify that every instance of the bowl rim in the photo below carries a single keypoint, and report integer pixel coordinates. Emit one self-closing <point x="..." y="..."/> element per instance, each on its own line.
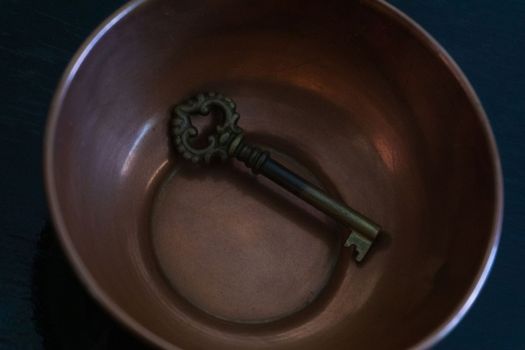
<point x="380" y="6"/>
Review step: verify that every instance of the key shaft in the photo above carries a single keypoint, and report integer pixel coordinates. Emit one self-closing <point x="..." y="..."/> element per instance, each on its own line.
<point x="364" y="230"/>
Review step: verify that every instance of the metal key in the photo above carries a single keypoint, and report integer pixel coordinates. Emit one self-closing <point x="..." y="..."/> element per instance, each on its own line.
<point x="228" y="141"/>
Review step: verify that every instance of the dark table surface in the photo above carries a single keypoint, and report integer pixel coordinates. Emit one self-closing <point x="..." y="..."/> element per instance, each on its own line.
<point x="37" y="39"/>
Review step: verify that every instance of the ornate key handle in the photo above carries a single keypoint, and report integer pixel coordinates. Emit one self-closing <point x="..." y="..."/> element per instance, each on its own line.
<point x="184" y="131"/>
<point x="228" y="141"/>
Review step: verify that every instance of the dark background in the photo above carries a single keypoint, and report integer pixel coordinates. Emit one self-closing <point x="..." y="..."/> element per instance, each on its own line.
<point x="37" y="39"/>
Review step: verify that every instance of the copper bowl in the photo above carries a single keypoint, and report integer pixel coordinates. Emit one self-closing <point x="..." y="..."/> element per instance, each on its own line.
<point x="354" y="96"/>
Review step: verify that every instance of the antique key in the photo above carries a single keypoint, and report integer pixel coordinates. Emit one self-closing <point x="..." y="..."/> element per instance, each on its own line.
<point x="228" y="141"/>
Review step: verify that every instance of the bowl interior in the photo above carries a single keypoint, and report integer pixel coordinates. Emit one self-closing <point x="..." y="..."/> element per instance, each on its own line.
<point x="349" y="95"/>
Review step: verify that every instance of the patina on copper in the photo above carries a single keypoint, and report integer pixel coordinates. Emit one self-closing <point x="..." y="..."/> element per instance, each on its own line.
<point x="228" y="141"/>
<point x="350" y="95"/>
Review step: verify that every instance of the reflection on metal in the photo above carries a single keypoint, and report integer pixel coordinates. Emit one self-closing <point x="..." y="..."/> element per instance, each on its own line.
<point x="228" y="141"/>
<point x="126" y="166"/>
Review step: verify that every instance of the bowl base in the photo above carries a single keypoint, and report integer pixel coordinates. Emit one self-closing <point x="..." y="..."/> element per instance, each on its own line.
<point x="239" y="247"/>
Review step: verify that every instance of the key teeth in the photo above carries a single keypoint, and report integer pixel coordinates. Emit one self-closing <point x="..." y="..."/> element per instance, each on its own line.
<point x="360" y="243"/>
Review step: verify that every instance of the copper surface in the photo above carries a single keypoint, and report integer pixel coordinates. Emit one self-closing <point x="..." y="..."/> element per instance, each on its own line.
<point x="352" y="91"/>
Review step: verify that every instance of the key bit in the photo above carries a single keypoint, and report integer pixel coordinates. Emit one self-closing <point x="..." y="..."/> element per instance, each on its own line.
<point x="228" y="141"/>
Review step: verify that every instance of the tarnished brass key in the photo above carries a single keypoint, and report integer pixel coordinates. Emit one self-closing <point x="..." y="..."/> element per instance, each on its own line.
<point x="228" y="141"/>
